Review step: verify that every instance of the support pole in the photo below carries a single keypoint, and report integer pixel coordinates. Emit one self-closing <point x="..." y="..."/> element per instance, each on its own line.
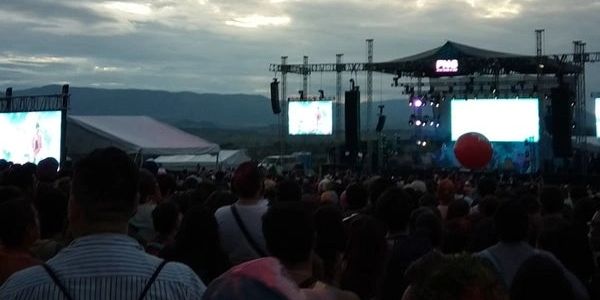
<point x="339" y="100"/>
<point x="369" y="105"/>
<point x="369" y="85"/>
<point x="284" y="107"/>
<point x="8" y="96"/>
<point x="539" y="52"/>
<point x="580" y="97"/>
<point x="305" y="73"/>
<point x="380" y="143"/>
<point x="64" y="110"/>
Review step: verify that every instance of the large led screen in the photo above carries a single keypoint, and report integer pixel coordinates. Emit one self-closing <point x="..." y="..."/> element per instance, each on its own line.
<point x="500" y="120"/>
<point x="597" y="117"/>
<point x="30" y="136"/>
<point x="310" y="117"/>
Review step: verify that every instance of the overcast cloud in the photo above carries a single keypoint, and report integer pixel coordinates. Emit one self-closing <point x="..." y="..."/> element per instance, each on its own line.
<point x="226" y="46"/>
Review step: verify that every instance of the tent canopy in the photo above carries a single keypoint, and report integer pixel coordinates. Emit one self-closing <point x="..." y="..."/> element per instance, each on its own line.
<point x="133" y="134"/>
<point x="226" y="158"/>
<point x="475" y="60"/>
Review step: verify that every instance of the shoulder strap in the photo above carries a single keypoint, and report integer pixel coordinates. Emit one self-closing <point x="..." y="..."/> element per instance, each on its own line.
<point x="152" y="279"/>
<point x="246" y="233"/>
<point x="57" y="282"/>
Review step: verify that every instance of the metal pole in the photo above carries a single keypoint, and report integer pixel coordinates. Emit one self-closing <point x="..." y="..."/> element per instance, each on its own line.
<point x="64" y="109"/>
<point x="380" y="143"/>
<point x="305" y="77"/>
<point x="284" y="107"/>
<point x="339" y="102"/>
<point x="539" y="37"/>
<point x="369" y="105"/>
<point x="8" y="95"/>
<point x="539" y="34"/>
<point x="580" y="99"/>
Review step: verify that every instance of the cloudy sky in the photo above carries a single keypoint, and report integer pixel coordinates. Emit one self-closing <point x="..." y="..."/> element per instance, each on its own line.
<point x="226" y="46"/>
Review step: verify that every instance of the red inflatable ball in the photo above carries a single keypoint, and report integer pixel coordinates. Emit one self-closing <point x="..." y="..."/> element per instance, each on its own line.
<point x="473" y="150"/>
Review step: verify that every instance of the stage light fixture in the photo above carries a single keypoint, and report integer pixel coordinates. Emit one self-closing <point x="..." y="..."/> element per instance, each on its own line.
<point x="432" y="123"/>
<point x="419" y="142"/>
<point x="574" y="125"/>
<point x="412" y="120"/>
<point x="424" y="143"/>
<point x="437" y="125"/>
<point x="418" y="102"/>
<point x="418" y="122"/>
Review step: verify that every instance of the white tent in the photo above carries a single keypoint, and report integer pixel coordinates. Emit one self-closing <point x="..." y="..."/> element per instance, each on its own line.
<point x="134" y="134"/>
<point x="225" y="159"/>
<point x="592" y="144"/>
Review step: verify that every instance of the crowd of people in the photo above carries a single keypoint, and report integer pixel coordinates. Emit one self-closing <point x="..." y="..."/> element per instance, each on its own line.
<point x="107" y="229"/>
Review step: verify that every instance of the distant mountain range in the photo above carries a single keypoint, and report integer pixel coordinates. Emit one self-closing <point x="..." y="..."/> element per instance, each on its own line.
<point x="189" y="110"/>
<point x="224" y="111"/>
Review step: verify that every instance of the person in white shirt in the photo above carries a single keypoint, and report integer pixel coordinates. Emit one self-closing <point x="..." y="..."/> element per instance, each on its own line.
<point x="241" y="236"/>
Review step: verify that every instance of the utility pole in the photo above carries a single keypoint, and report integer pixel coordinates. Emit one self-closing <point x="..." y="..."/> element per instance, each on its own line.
<point x="369" y="104"/>
<point x="284" y="107"/>
<point x="338" y="95"/>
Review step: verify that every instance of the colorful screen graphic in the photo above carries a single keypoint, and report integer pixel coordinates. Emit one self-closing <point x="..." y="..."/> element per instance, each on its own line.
<point x="500" y="120"/>
<point x="310" y="117"/>
<point x="30" y="136"/>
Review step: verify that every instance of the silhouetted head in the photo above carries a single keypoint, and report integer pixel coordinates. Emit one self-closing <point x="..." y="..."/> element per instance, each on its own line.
<point x="512" y="221"/>
<point x="247" y="181"/>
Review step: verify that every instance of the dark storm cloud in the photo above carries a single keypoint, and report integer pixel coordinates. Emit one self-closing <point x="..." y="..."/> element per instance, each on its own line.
<point x="226" y="45"/>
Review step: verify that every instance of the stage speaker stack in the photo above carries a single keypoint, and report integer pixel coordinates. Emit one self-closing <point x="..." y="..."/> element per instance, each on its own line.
<point x="275" y="97"/>
<point x="561" y="122"/>
<point x="380" y="124"/>
<point x="352" y="118"/>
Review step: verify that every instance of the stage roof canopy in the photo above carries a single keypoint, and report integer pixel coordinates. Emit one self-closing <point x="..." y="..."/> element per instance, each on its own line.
<point x="473" y="60"/>
<point x="133" y="134"/>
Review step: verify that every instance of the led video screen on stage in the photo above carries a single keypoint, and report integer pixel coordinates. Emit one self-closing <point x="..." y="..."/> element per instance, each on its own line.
<point x="500" y="120"/>
<point x="310" y="117"/>
<point x="30" y="136"/>
<point x="597" y="117"/>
